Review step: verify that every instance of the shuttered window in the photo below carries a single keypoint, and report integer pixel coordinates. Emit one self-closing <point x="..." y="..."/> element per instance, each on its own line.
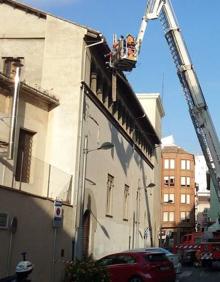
<point x="23" y="165"/>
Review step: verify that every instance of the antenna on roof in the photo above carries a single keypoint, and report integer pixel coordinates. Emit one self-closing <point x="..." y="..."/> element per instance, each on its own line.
<point x="162" y="87"/>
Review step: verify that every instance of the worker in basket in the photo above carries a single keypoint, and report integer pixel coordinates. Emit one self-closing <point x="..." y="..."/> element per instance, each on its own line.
<point x="131" y="47"/>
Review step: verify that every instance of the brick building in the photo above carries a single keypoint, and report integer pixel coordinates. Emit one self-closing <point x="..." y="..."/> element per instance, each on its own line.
<point x="177" y="194"/>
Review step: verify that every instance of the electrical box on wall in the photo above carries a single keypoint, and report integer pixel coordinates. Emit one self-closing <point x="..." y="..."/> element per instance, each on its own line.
<point x="3" y="220"/>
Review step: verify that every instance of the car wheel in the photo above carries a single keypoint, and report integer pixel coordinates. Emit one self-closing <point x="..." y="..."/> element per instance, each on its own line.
<point x="136" y="279"/>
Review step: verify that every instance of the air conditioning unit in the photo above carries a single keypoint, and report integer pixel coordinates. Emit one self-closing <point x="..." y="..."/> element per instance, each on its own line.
<point x="4" y="217"/>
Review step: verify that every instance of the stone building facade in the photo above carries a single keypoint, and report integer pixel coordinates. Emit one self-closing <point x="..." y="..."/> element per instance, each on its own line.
<point x="70" y="109"/>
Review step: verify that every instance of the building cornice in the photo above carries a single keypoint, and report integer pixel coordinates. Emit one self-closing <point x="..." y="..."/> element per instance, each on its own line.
<point x="8" y="84"/>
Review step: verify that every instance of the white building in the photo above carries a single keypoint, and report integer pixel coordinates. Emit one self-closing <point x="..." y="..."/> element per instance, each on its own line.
<point x="203" y="194"/>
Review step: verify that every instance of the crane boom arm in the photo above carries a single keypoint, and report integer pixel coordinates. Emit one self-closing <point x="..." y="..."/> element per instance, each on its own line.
<point x="198" y="109"/>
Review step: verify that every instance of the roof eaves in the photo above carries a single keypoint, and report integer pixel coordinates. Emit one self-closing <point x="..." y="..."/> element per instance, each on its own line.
<point x="153" y="135"/>
<point x="24" y="7"/>
<point x="42" y="14"/>
<point x="52" y="101"/>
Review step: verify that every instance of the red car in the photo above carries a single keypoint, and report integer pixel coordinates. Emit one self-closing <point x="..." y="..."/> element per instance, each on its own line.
<point x="139" y="267"/>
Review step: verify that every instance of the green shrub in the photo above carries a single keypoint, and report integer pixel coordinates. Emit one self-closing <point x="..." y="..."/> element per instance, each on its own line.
<point x="85" y="270"/>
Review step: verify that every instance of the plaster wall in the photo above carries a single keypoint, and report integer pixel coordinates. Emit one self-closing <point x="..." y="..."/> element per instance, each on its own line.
<point x="22" y="37"/>
<point x="52" y="51"/>
<point x="151" y="104"/>
<point x="153" y="108"/>
<point x="62" y="68"/>
<point x="33" y="238"/>
<point x="200" y="173"/>
<point x="113" y="233"/>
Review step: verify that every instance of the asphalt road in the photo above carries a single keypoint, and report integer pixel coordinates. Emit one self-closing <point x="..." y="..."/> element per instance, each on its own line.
<point x="199" y="274"/>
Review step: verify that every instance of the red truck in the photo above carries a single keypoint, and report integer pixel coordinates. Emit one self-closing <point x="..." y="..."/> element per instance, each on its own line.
<point x="188" y="247"/>
<point x="209" y="251"/>
<point x="201" y="248"/>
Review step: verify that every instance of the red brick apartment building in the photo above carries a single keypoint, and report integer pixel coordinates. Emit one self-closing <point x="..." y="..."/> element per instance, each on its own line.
<point x="177" y="195"/>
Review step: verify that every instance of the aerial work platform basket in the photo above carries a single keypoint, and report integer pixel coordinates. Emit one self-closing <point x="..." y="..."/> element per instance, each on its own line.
<point x="124" y="54"/>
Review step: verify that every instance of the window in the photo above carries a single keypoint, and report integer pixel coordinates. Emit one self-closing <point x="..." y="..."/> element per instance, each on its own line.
<point x="185" y="199"/>
<point x="4" y="220"/>
<point x="185" y="164"/>
<point x="126" y="202"/>
<point x="185" y="181"/>
<point x="9" y="66"/>
<point x="165" y="216"/>
<point x="156" y="257"/>
<point x="117" y="259"/>
<point x="23" y="165"/>
<point x="171" y="216"/>
<point x="205" y="211"/>
<point x="123" y="259"/>
<point x="168" y="198"/>
<point x="169" y="180"/>
<point x="168" y="216"/>
<point x="110" y="185"/>
<point x="185" y="216"/>
<point x="169" y="164"/>
<point x="106" y="261"/>
<point x="172" y="164"/>
<point x="172" y="181"/>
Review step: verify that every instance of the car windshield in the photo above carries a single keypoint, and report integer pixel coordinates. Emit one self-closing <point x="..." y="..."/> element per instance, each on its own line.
<point x="156" y="250"/>
<point x="117" y="259"/>
<point x="155" y="257"/>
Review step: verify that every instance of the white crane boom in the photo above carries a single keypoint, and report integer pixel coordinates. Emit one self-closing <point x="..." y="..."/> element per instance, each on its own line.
<point x="198" y="108"/>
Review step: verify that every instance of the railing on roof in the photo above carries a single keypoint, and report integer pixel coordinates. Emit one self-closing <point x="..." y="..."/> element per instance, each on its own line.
<point x="45" y="180"/>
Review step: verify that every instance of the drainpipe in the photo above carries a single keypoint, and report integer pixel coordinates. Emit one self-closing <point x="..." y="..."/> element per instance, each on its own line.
<point x="14" y="113"/>
<point x="80" y="145"/>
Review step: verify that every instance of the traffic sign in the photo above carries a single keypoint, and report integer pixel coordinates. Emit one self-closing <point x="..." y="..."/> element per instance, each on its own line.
<point x="58" y="214"/>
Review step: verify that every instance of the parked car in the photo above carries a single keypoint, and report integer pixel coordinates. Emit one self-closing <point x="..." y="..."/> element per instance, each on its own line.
<point x="136" y="266"/>
<point x="174" y="258"/>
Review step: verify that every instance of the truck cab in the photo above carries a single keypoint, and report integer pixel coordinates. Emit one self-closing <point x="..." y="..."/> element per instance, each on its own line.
<point x="194" y="238"/>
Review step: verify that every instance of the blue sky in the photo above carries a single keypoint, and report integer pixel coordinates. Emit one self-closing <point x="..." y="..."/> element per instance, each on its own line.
<point x="199" y="22"/>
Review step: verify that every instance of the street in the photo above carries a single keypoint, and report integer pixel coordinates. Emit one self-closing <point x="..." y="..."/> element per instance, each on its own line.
<point x="193" y="274"/>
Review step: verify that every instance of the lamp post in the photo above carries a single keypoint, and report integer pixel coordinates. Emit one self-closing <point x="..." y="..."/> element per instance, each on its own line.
<point x="150" y="185"/>
<point x="81" y="199"/>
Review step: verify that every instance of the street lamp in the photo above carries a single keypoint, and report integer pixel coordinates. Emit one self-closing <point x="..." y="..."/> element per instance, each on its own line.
<point x="104" y="146"/>
<point x="150" y="185"/>
<point x="81" y="192"/>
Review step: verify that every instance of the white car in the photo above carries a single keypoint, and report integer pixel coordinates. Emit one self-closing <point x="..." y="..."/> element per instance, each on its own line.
<point x="172" y="257"/>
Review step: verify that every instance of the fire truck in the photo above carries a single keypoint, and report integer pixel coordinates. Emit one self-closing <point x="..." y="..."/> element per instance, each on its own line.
<point x="208" y="252"/>
<point x="189" y="246"/>
<point x="200" y="248"/>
